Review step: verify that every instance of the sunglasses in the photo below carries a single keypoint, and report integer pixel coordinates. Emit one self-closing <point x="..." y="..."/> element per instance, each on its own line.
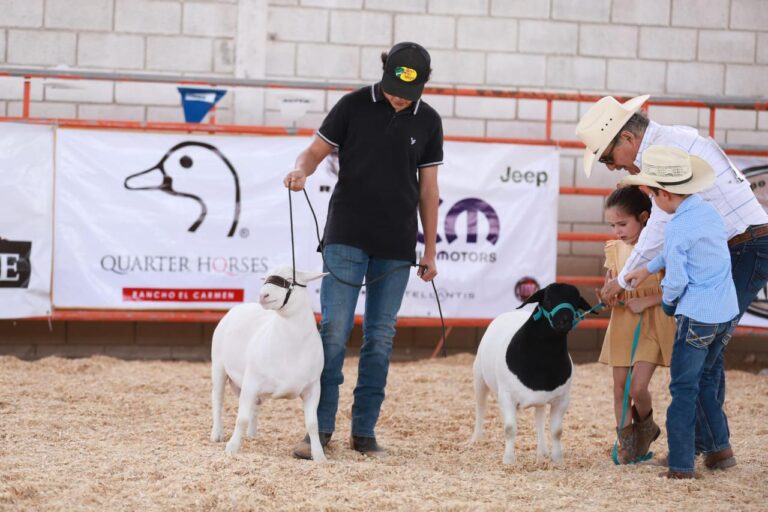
<point x="607" y="158"/>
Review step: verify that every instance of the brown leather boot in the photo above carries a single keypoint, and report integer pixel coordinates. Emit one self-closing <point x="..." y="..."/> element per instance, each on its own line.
<point x="303" y="450"/>
<point x="626" y="450"/>
<point x="646" y="432"/>
<point x="722" y="459"/>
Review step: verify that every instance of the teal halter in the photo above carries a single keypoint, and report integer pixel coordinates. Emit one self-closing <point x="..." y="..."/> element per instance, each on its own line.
<point x="577" y="315"/>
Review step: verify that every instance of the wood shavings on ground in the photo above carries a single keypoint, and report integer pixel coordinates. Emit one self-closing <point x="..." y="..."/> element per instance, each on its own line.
<point x="107" y="434"/>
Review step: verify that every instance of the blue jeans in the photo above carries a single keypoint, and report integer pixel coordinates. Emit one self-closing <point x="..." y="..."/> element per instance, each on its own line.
<point x="693" y="387"/>
<point x="337" y="304"/>
<point x="749" y="267"/>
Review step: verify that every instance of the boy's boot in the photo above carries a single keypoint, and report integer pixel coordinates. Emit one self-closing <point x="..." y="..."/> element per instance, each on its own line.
<point x="626" y="450"/>
<point x="303" y="450"/>
<point x="723" y="459"/>
<point x="646" y="432"/>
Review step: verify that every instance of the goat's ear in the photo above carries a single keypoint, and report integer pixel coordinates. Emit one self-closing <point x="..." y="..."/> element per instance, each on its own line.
<point x="584" y="305"/>
<point x="536" y="297"/>
<point x="306" y="277"/>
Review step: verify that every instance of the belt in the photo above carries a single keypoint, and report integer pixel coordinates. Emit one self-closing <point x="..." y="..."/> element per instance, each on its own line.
<point x="751" y="233"/>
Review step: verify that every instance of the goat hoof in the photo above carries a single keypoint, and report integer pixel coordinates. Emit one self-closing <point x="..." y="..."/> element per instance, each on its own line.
<point x="542" y="458"/>
<point x="232" y="448"/>
<point x="508" y="460"/>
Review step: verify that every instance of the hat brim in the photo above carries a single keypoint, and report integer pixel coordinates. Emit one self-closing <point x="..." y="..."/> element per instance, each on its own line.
<point x="407" y="90"/>
<point x="631" y="106"/>
<point x="703" y="176"/>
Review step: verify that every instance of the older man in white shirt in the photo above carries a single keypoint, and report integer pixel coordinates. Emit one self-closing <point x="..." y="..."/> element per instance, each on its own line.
<point x="616" y="135"/>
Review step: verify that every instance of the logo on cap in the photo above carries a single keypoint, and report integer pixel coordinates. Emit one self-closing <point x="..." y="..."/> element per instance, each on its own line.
<point x="405" y="74"/>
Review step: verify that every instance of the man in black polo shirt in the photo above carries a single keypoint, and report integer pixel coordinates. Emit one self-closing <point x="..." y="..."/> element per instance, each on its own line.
<point x="390" y="144"/>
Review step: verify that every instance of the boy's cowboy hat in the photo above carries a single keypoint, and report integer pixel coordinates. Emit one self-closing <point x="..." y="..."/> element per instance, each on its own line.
<point x="673" y="170"/>
<point x="601" y="123"/>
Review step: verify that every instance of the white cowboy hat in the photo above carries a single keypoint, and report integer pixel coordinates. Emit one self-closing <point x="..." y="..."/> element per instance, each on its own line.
<point x="601" y="123"/>
<point x="673" y="170"/>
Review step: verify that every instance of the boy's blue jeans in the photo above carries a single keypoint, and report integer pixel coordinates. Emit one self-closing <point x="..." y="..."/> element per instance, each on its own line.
<point x="694" y="388"/>
<point x="337" y="304"/>
<point x="749" y="264"/>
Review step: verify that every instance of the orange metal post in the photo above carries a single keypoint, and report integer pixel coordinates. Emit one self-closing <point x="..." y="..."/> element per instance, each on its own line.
<point x="27" y="94"/>
<point x="712" y="122"/>
<point x="549" y="119"/>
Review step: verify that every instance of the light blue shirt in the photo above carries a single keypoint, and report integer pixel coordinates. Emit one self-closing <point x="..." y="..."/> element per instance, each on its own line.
<point x="698" y="264"/>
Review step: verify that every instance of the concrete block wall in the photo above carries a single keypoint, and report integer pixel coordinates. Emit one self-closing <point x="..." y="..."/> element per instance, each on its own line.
<point x="154" y="36"/>
<point x="662" y="47"/>
<point x="665" y="47"/>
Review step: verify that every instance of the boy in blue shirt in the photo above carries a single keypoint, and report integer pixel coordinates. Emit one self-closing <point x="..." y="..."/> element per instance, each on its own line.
<point x="698" y="290"/>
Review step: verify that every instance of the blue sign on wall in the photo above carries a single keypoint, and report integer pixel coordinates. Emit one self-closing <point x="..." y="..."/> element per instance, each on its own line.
<point x="198" y="102"/>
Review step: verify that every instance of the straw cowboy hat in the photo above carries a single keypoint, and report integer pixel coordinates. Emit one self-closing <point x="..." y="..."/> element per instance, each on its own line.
<point x="601" y="123"/>
<point x="673" y="170"/>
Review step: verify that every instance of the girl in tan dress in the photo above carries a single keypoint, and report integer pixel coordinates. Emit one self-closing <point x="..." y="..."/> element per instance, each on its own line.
<point x="627" y="209"/>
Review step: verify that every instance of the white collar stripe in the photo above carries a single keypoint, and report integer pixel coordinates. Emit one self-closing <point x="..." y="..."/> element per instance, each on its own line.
<point x="326" y="139"/>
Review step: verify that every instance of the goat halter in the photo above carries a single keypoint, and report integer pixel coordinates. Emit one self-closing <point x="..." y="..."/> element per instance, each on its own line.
<point x="577" y="315"/>
<point x="283" y="283"/>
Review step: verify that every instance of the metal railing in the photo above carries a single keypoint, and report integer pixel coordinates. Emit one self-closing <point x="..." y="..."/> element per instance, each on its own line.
<point x="713" y="104"/>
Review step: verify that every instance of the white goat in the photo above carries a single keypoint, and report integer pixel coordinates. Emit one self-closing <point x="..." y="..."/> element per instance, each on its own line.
<point x="523" y="360"/>
<point x="269" y="350"/>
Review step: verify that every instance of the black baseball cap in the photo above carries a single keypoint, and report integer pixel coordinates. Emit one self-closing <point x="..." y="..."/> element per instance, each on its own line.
<point x="406" y="71"/>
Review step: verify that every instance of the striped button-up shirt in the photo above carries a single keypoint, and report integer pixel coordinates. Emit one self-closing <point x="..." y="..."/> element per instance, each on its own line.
<point x="698" y="264"/>
<point x="731" y="194"/>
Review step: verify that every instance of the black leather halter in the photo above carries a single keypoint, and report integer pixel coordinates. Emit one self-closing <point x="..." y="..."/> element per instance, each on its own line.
<point x="283" y="283"/>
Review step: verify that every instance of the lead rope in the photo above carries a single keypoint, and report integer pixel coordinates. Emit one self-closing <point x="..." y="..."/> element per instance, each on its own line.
<point x="444" y="351"/>
<point x="293" y="249"/>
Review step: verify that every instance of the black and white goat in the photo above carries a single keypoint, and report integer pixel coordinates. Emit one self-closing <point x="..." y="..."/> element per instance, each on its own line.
<point x="523" y="360"/>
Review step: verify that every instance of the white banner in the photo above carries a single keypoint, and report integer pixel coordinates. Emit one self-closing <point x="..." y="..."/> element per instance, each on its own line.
<point x="497" y="229"/>
<point x="26" y="206"/>
<point x="174" y="221"/>
<point x="756" y="171"/>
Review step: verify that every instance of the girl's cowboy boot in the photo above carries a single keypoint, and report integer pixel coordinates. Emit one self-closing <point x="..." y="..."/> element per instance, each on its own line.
<point x="646" y="432"/>
<point x="626" y="451"/>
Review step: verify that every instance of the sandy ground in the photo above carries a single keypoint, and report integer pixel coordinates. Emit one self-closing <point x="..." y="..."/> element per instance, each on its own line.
<point x="106" y="434"/>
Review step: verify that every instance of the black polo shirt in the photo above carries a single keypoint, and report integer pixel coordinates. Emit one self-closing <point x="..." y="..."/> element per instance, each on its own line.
<point x="374" y="204"/>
